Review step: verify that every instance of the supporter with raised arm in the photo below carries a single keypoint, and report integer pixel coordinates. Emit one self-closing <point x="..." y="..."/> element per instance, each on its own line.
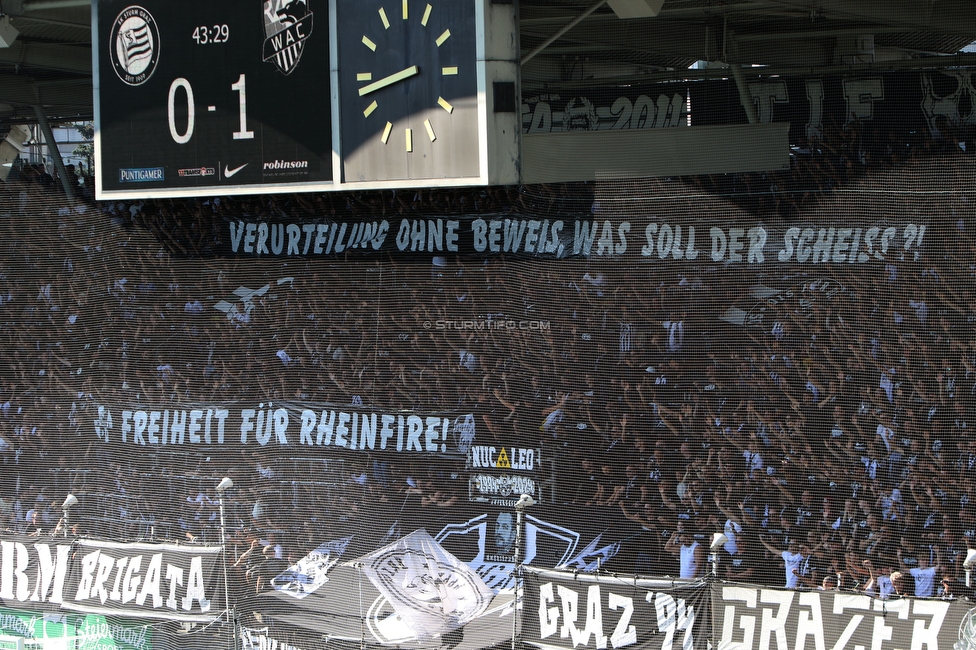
<point x="795" y="561"/>
<point x="925" y="573"/>
<point x="690" y="553"/>
<point x="879" y="580"/>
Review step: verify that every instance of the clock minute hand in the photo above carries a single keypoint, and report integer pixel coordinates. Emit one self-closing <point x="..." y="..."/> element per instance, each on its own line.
<point x="406" y="73"/>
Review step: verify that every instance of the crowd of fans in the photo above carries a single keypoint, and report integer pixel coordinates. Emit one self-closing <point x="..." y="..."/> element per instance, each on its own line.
<point x="829" y="439"/>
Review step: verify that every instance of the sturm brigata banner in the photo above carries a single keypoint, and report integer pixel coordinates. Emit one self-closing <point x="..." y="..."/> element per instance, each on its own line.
<point x="149" y="581"/>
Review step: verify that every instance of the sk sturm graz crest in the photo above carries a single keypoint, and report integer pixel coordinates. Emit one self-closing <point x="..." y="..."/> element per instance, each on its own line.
<point x="287" y="25"/>
<point x="135" y="45"/>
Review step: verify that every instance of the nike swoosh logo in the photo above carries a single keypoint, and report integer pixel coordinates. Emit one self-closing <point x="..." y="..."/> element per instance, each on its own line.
<point x="230" y="172"/>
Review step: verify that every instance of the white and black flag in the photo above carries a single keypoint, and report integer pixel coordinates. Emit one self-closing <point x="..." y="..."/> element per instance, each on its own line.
<point x="432" y="591"/>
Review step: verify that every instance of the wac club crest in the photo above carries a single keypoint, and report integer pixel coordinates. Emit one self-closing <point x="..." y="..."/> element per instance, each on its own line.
<point x="287" y="25"/>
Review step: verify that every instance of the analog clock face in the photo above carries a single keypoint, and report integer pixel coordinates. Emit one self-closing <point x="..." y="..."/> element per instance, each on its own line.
<point x="408" y="85"/>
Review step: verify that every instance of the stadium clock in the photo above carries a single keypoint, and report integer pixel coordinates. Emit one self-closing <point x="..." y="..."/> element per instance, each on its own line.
<point x="211" y="97"/>
<point x="408" y="86"/>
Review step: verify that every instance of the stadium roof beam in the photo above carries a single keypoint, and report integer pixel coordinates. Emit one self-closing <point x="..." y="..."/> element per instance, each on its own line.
<point x="65" y="94"/>
<point x="950" y="16"/>
<point x="27" y="6"/>
<point x="48" y="56"/>
<point x="563" y="30"/>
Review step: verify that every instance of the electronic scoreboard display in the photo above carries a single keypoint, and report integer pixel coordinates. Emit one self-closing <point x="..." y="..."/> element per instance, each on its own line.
<point x="210" y="97"/>
<point x="218" y="94"/>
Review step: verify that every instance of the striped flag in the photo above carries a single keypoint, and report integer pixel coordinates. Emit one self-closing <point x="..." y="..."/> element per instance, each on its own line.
<point x="137" y="44"/>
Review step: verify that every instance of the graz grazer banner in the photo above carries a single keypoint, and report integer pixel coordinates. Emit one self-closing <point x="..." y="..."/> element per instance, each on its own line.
<point x="458" y="579"/>
<point x="681" y="242"/>
<point x="56" y="631"/>
<point x="573" y="610"/>
<point x="283" y="425"/>
<point x="149" y="581"/>
<point x="753" y="618"/>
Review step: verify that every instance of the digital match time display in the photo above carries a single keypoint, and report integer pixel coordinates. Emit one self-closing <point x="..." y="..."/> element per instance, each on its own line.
<point x="212" y="97"/>
<point x="215" y="96"/>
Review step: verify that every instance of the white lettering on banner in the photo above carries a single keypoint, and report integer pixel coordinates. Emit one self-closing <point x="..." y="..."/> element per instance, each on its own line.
<point x="258" y="639"/>
<point x="860" y="615"/>
<point x="97" y="581"/>
<point x="673" y="615"/>
<point x="284" y="426"/>
<point x="502" y="485"/>
<point x="501" y="458"/>
<point x="861" y="95"/>
<point x="32" y="573"/>
<point x="307" y="238"/>
<point x="510" y="235"/>
<point x="827" y="244"/>
<point x="624" y="633"/>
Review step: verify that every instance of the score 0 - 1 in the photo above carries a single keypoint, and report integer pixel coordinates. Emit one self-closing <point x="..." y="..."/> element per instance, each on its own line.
<point x="205" y="35"/>
<point x="181" y="83"/>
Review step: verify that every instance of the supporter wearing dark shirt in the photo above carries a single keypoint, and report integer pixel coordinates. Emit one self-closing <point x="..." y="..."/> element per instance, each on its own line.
<point x="741" y="566"/>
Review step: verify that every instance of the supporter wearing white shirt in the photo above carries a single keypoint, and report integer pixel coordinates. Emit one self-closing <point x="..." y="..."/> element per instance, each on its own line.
<point x="924" y="574"/>
<point x="794" y="561"/>
<point x="879" y="585"/>
<point x="690" y="553"/>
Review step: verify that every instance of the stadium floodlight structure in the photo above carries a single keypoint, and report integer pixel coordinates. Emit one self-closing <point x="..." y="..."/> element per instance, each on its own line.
<point x="718" y="541"/>
<point x="222" y="487"/>
<point x="69" y="501"/>
<point x="968" y="565"/>
<point x="525" y="501"/>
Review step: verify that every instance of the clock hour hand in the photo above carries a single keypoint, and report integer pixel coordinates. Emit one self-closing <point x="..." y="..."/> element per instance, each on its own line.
<point x="406" y="73"/>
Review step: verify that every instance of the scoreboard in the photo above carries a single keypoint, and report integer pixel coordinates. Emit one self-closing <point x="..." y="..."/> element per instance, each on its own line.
<point x="211" y="97"/>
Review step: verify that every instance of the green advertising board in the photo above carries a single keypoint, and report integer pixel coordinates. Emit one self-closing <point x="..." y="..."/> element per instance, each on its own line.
<point x="59" y="631"/>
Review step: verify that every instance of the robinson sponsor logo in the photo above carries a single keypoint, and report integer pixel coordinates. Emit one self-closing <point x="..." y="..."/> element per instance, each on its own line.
<point x="276" y="165"/>
<point x="196" y="172"/>
<point x="279" y="167"/>
<point x="141" y="175"/>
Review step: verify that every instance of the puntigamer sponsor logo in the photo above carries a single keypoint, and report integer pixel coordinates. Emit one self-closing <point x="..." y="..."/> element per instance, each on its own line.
<point x="141" y="175"/>
<point x="293" y="166"/>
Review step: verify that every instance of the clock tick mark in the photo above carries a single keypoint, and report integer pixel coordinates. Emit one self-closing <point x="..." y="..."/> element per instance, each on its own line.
<point x="386" y="21"/>
<point x="426" y="15"/>
<point x="386" y="132"/>
<point x="443" y="37"/>
<point x="368" y="43"/>
<point x="212" y="109"/>
<point x="364" y="76"/>
<point x="446" y="105"/>
<point x="406" y="11"/>
<point x="452" y="70"/>
<point x="408" y="134"/>
<point x="430" y="130"/>
<point x="369" y="109"/>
